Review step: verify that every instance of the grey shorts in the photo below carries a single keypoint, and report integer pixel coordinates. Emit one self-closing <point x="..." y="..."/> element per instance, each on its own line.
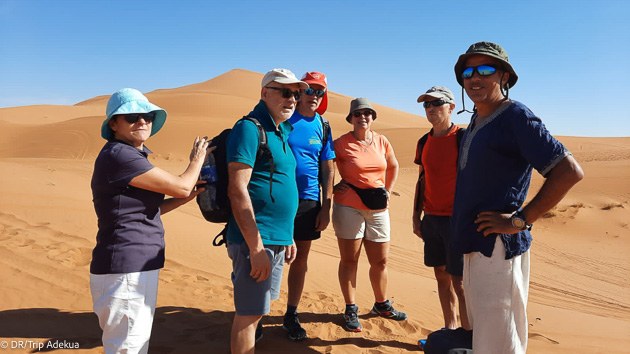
<point x="353" y="224"/>
<point x="252" y="298"/>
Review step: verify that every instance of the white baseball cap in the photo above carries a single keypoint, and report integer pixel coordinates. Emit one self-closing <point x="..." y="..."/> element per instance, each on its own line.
<point x="282" y="76"/>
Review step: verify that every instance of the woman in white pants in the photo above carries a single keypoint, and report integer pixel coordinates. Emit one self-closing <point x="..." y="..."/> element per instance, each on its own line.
<point x="128" y="194"/>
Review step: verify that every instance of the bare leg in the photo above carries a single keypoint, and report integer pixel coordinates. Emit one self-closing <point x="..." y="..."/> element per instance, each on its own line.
<point x="447" y="297"/>
<point x="458" y="286"/>
<point x="377" y="253"/>
<point x="297" y="273"/>
<point x="349" y="250"/>
<point x="243" y="334"/>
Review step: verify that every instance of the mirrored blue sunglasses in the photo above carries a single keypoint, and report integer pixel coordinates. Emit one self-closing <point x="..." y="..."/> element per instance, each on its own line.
<point x="482" y="70"/>
<point x="310" y="91"/>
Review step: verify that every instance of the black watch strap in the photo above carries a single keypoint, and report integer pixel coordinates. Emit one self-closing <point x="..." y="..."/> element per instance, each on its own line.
<point x="520" y="220"/>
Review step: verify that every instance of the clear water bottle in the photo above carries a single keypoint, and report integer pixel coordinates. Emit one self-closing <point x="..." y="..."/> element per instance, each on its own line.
<point x="208" y="198"/>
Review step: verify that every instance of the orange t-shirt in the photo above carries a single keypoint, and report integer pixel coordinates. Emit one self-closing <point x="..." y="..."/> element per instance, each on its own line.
<point x="360" y="165"/>
<point x="439" y="160"/>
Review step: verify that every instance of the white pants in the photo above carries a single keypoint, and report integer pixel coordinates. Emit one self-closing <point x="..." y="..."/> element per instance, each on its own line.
<point x="496" y="299"/>
<point x="125" y="305"/>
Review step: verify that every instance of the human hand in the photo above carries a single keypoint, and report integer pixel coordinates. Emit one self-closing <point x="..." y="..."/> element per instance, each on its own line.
<point x="417" y="226"/>
<point x="200" y="186"/>
<point x="495" y="222"/>
<point x="322" y="220"/>
<point x="261" y="266"/>
<point x="290" y="252"/>
<point x="200" y="149"/>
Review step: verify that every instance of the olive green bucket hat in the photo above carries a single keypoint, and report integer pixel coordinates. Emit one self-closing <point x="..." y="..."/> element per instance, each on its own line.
<point x="357" y="104"/>
<point x="489" y="49"/>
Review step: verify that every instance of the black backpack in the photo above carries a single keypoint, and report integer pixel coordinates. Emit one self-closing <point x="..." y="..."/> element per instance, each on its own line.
<point x="449" y="341"/>
<point x="224" y="210"/>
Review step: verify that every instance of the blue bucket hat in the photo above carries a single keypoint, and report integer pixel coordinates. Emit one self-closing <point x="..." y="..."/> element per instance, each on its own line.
<point x="127" y="101"/>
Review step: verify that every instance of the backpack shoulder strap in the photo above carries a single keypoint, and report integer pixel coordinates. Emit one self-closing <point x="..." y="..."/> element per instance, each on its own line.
<point x="423" y="141"/>
<point x="421" y="187"/>
<point x="220" y="238"/>
<point x="262" y="136"/>
<point x="325" y="131"/>
<point x="460" y="136"/>
<point x="263" y="151"/>
<point x="421" y="144"/>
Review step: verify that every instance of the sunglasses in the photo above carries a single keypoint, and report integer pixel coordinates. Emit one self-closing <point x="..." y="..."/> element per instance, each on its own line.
<point x="482" y="70"/>
<point x="435" y="103"/>
<point x="366" y="113"/>
<point x="319" y="93"/>
<point x="286" y="93"/>
<point x="132" y="118"/>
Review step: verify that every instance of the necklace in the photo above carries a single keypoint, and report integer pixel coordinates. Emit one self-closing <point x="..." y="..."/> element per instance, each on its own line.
<point x="365" y="142"/>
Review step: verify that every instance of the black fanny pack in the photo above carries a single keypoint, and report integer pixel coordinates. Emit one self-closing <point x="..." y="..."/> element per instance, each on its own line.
<point x="373" y="198"/>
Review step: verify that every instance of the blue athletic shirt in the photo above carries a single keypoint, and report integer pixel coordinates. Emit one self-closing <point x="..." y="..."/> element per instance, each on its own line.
<point x="495" y="164"/>
<point x="306" y="142"/>
<point x="274" y="220"/>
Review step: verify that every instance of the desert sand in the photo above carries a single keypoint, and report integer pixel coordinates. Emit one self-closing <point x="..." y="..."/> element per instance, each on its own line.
<point x="580" y="285"/>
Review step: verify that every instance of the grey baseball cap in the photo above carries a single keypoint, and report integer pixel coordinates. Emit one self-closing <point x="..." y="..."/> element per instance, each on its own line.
<point x="489" y="49"/>
<point x="439" y="92"/>
<point x="282" y="76"/>
<point x="360" y="103"/>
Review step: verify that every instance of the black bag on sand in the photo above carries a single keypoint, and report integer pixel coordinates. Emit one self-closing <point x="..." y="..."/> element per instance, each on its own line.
<point x="373" y="198"/>
<point x="449" y="341"/>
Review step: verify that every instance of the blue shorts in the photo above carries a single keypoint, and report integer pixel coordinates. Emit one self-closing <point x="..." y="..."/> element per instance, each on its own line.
<point x="250" y="297"/>
<point x="436" y="231"/>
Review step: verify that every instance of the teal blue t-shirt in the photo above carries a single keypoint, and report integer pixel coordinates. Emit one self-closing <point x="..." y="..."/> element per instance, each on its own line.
<point x="274" y="219"/>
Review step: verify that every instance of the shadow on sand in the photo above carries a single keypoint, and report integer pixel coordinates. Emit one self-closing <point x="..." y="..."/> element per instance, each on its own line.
<point x="175" y="330"/>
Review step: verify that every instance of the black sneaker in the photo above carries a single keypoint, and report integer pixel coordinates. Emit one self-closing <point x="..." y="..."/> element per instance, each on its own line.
<point x="388" y="311"/>
<point x="291" y="324"/>
<point x="258" y="334"/>
<point x="352" y="319"/>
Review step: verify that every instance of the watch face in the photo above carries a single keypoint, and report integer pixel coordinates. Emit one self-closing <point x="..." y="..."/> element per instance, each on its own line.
<point x="518" y="223"/>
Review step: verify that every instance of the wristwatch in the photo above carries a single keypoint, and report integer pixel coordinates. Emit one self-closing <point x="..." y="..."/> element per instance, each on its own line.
<point x="518" y="222"/>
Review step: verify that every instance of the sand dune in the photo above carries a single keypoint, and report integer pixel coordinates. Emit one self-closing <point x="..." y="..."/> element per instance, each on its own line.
<point x="580" y="286"/>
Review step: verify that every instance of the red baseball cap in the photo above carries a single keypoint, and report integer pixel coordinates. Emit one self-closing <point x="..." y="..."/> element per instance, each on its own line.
<point x="314" y="77"/>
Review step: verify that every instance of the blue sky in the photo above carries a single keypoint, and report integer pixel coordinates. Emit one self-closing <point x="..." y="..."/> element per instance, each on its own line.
<point x="572" y="57"/>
